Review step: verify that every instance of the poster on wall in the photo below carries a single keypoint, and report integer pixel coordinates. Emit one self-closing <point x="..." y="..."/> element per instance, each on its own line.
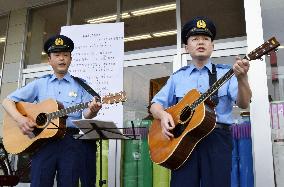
<point x="98" y="58"/>
<point x="277" y="125"/>
<point x="277" y="120"/>
<point x="277" y="115"/>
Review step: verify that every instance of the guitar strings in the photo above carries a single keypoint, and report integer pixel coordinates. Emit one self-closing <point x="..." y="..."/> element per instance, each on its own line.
<point x="208" y="93"/>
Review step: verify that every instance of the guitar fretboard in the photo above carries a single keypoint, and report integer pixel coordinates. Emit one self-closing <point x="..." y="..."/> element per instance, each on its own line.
<point x="109" y="99"/>
<point x="66" y="111"/>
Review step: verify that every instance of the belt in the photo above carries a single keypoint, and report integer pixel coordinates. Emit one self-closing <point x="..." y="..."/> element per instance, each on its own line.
<point x="223" y="126"/>
<point x="72" y="131"/>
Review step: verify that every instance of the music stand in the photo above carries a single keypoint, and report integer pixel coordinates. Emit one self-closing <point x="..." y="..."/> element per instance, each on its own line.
<point x="100" y="130"/>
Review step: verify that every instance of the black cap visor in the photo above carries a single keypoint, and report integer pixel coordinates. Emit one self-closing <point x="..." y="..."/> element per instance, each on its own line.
<point x="54" y="49"/>
<point x="196" y="31"/>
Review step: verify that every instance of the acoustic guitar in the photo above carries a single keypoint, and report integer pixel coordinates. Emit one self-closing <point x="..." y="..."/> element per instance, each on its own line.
<point x="194" y="118"/>
<point x="50" y="117"/>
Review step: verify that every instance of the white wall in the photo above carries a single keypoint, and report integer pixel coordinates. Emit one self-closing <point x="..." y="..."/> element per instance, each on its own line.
<point x="259" y="107"/>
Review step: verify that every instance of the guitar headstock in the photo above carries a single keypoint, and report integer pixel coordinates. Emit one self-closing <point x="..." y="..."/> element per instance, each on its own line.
<point x="264" y="49"/>
<point x="114" y="98"/>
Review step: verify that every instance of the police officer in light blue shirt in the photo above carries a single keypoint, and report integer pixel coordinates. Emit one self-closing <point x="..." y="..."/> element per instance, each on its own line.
<point x="63" y="157"/>
<point x="209" y="164"/>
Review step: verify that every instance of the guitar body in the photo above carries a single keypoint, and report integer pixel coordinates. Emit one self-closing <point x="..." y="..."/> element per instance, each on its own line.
<point x="174" y="152"/>
<point x="16" y="142"/>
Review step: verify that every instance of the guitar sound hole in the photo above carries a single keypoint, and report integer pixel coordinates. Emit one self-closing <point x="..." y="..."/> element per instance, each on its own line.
<point x="178" y="130"/>
<point x="186" y="113"/>
<point x="41" y="119"/>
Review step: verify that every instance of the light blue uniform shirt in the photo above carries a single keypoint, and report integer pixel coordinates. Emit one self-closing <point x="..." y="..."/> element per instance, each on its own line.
<point x="190" y="77"/>
<point x="67" y="91"/>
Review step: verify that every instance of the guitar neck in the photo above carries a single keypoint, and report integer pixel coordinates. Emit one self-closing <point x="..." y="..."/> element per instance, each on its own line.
<point x="68" y="110"/>
<point x="109" y="99"/>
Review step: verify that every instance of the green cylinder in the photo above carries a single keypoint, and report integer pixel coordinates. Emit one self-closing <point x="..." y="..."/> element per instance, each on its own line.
<point x="145" y="171"/>
<point x="137" y="165"/>
<point x="130" y="163"/>
<point x="161" y="176"/>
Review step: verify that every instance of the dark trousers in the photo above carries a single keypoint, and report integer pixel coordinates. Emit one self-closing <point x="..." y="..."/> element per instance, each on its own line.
<point x="209" y="164"/>
<point x="64" y="158"/>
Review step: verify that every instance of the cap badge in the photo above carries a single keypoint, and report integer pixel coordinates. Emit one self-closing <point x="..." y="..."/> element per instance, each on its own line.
<point x="201" y="24"/>
<point x="58" y="41"/>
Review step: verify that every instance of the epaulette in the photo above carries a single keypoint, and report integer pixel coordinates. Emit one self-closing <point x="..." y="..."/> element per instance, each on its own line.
<point x="182" y="68"/>
<point x="224" y="66"/>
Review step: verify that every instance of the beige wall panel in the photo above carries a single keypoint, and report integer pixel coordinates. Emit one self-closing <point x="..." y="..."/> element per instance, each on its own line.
<point x="6" y="89"/>
<point x="1" y="129"/>
<point x="18" y="17"/>
<point x="16" y="34"/>
<point x="13" y="53"/>
<point x="1" y="113"/>
<point x="1" y="119"/>
<point x="11" y="73"/>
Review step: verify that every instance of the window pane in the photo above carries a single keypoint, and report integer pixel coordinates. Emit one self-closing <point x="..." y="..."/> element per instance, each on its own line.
<point x="153" y="21"/>
<point x="85" y="11"/>
<point x="43" y="23"/>
<point x="230" y="23"/>
<point x="137" y="85"/>
<point x="3" y="29"/>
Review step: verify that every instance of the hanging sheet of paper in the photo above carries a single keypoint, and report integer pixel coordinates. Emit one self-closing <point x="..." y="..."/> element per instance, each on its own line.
<point x="98" y="58"/>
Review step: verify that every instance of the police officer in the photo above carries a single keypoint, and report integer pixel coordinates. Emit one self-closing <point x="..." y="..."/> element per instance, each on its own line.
<point x="209" y="165"/>
<point x="62" y="156"/>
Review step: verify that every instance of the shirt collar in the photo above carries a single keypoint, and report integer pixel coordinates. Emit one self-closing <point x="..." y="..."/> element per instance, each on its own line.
<point x="66" y="77"/>
<point x="207" y="66"/>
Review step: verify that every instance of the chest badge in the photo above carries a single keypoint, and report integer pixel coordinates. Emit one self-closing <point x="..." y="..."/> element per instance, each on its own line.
<point x="72" y="94"/>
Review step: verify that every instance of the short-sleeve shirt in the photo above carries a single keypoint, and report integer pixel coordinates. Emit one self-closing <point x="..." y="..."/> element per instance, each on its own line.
<point x="66" y="91"/>
<point x="190" y="77"/>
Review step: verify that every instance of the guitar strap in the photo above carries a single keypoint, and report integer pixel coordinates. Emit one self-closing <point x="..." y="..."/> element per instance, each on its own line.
<point x="86" y="87"/>
<point x="212" y="80"/>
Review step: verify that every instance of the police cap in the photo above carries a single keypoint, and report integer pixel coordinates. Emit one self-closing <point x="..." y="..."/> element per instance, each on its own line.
<point x="198" y="25"/>
<point x="58" y="43"/>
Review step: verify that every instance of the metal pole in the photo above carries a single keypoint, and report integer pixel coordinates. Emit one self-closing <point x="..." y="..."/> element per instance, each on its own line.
<point x="118" y="10"/>
<point x="70" y="6"/>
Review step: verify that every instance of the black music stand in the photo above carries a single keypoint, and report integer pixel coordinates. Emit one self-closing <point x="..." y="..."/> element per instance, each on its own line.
<point x="100" y="130"/>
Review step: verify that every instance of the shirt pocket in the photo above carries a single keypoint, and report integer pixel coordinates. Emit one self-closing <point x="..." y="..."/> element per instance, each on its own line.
<point x="180" y="93"/>
<point x="223" y="91"/>
<point x="70" y="101"/>
<point x="43" y="97"/>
